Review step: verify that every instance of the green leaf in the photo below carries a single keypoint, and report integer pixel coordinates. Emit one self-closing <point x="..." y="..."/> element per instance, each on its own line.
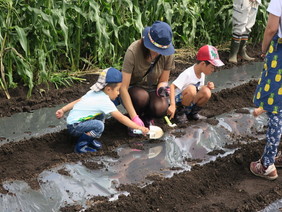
<point x="22" y="38"/>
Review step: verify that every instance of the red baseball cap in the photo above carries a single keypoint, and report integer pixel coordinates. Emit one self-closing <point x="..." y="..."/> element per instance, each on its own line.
<point x="209" y="53"/>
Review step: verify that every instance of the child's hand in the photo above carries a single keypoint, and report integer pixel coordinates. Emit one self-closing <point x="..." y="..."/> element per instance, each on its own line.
<point x="171" y="111"/>
<point x="59" y="113"/>
<point x="144" y="130"/>
<point x="210" y="85"/>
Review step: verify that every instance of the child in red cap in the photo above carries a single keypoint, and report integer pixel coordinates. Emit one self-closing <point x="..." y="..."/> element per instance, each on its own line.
<point x="189" y="92"/>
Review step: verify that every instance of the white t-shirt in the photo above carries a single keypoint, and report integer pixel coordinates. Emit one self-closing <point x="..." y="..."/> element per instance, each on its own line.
<point x="90" y="105"/>
<point x="188" y="77"/>
<point x="275" y="8"/>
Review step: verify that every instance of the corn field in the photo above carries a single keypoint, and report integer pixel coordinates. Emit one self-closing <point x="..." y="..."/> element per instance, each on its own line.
<point x="43" y="41"/>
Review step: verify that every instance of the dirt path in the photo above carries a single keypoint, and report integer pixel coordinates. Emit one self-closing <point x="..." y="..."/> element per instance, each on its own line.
<point x="223" y="185"/>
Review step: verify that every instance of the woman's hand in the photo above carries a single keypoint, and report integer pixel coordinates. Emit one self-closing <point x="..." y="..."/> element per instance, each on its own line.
<point x="138" y="121"/>
<point x="163" y="91"/>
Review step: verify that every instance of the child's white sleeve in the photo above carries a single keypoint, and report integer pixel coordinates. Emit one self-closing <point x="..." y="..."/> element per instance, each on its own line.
<point x="179" y="82"/>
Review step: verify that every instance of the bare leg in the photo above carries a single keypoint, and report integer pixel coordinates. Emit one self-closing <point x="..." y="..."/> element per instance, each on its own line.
<point x="188" y="95"/>
<point x="202" y="96"/>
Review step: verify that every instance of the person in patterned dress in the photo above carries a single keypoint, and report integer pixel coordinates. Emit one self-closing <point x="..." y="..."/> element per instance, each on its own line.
<point x="268" y="94"/>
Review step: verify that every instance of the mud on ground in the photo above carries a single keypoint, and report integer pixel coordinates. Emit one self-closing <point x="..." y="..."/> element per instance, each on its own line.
<point x="223" y="185"/>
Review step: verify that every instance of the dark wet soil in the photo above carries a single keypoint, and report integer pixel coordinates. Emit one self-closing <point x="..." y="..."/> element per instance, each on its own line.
<point x="223" y="185"/>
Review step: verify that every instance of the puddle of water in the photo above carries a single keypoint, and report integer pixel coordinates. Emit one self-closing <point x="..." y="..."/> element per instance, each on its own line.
<point x="179" y="151"/>
<point x="242" y="124"/>
<point x="235" y="76"/>
<point x="43" y="121"/>
<point x="56" y="190"/>
<point x="27" y="125"/>
<point x="274" y="207"/>
<point x="37" y="123"/>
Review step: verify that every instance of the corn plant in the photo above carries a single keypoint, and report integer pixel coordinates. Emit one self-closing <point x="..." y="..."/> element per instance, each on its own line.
<point x="64" y="79"/>
<point x="40" y="38"/>
<point x="261" y="20"/>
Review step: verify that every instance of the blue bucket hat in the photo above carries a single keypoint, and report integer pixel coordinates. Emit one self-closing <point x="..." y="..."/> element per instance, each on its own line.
<point x="109" y="75"/>
<point x="158" y="38"/>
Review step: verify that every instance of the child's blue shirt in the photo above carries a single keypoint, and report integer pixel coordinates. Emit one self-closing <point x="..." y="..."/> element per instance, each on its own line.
<point x="91" y="105"/>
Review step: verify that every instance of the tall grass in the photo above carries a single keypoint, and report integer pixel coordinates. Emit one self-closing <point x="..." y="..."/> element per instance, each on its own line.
<point x="41" y="38"/>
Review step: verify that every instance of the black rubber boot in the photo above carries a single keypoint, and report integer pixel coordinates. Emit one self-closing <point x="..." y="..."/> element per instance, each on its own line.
<point x="193" y="115"/>
<point x="181" y="110"/>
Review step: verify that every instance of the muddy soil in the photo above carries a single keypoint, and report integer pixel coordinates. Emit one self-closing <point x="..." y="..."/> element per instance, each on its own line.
<point x="223" y="185"/>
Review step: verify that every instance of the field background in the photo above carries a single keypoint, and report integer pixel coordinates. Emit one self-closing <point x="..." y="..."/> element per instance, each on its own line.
<point x="48" y="41"/>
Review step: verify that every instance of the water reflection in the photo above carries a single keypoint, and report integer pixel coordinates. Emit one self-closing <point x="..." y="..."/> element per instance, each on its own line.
<point x="179" y="151"/>
<point x="274" y="207"/>
<point x="134" y="165"/>
<point x="235" y="76"/>
<point x="43" y="121"/>
<point x="27" y="125"/>
<point x="34" y="124"/>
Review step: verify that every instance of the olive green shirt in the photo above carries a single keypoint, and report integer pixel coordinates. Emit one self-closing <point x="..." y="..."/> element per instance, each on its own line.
<point x="135" y="64"/>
